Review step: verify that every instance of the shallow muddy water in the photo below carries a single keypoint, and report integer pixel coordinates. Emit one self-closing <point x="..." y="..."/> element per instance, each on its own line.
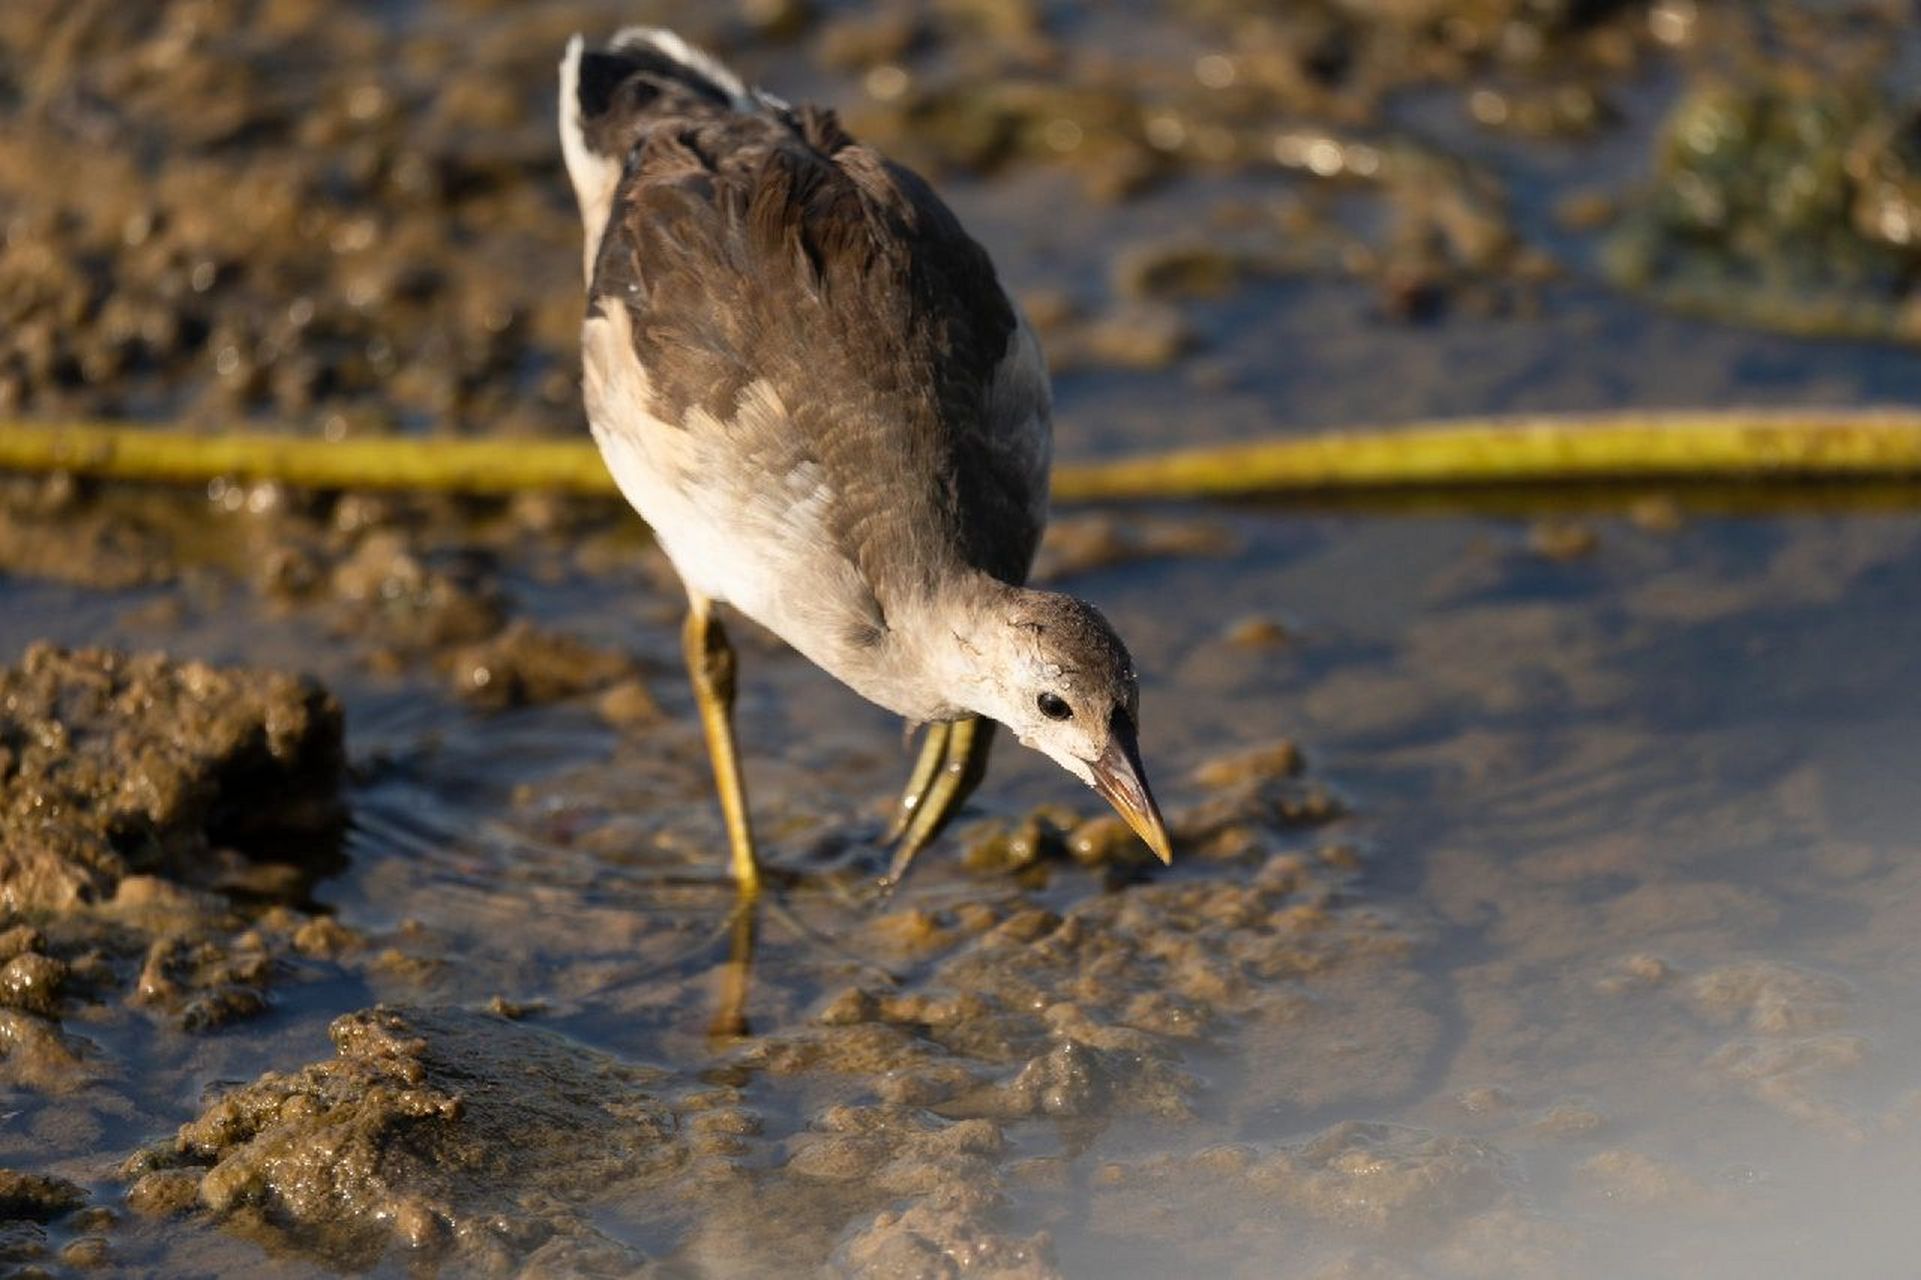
<point x="1575" y="937"/>
<point x="1606" y="969"/>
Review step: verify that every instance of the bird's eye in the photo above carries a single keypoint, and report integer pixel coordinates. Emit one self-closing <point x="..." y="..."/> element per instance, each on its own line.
<point x="1053" y="706"/>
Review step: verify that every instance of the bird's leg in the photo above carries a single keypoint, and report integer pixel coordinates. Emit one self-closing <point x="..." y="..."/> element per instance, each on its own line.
<point x="953" y="760"/>
<point x="743" y="930"/>
<point x="933" y="750"/>
<point x="711" y="663"/>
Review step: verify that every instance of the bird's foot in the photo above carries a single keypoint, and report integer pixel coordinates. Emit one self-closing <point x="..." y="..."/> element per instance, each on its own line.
<point x="952" y="762"/>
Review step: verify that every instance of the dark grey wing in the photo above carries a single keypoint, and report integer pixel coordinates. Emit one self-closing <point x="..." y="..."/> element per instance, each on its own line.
<point x="996" y="410"/>
<point x="769" y="250"/>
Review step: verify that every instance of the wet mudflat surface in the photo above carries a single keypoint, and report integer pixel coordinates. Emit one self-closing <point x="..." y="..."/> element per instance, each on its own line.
<point x="1546" y="898"/>
<point x="1580" y="941"/>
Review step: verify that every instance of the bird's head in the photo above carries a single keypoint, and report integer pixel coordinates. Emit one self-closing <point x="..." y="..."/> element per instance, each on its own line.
<point x="1050" y="668"/>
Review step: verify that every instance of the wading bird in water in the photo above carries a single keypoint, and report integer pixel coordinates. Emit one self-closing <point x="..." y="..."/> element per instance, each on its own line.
<point x="808" y="380"/>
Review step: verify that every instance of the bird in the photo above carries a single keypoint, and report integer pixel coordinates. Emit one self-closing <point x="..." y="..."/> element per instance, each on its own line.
<point x="807" y="378"/>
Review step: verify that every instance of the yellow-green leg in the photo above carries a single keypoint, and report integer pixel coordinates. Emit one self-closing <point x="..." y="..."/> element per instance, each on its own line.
<point x="730" y="1015"/>
<point x="711" y="663"/>
<point x="952" y="762"/>
<point x="933" y="751"/>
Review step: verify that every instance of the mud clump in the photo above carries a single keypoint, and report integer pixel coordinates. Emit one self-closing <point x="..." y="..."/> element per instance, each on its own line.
<point x="433" y="1131"/>
<point x="927" y="1241"/>
<point x="391" y="590"/>
<point x="1637" y="1180"/>
<point x="37" y="1197"/>
<point x="35" y="1055"/>
<point x="112" y="766"/>
<point x="1390" y="1188"/>
<point x="1084" y="544"/>
<point x="1130" y="336"/>
<point x="105" y="550"/>
<point x="32" y="981"/>
<point x="30" y="1204"/>
<point x="1250" y="768"/>
<point x="155" y="818"/>
<point x="206" y="983"/>
<point x="1770" y="999"/>
<point x="528" y="665"/>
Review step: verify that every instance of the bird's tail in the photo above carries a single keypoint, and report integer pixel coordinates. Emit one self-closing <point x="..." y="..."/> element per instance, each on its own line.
<point x="609" y="97"/>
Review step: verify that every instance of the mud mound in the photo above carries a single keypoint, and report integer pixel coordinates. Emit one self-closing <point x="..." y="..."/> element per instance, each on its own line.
<point x="113" y="765"/>
<point x="440" y="1131"/>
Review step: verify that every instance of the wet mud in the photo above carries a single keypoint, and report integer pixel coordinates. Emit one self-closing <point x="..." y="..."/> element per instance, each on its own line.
<point x="355" y="222"/>
<point x="1394" y="1012"/>
<point x="1544" y="894"/>
<point x="116" y="766"/>
<point x="455" y="1136"/>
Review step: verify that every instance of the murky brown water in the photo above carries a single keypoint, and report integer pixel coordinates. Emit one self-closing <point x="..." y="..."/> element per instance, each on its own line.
<point x="1583" y="944"/>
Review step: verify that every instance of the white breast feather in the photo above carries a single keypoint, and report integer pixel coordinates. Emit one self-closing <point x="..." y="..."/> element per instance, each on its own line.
<point x="736" y="530"/>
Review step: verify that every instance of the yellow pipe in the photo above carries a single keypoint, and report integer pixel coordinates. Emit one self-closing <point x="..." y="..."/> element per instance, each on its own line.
<point x="1688" y="445"/>
<point x="1684" y="445"/>
<point x="454" y="465"/>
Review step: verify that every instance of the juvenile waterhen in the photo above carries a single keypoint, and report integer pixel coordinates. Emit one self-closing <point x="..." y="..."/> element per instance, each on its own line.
<point x="808" y="380"/>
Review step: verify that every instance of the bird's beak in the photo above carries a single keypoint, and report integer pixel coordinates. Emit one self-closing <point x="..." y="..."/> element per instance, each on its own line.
<point x="1119" y="777"/>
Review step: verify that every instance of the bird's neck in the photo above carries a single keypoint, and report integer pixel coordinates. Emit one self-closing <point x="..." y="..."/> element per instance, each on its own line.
<point x="946" y="639"/>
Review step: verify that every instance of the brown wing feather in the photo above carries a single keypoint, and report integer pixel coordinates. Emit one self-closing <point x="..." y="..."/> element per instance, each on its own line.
<point x="772" y="247"/>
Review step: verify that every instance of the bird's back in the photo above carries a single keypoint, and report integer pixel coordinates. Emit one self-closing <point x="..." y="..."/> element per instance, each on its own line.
<point x="787" y="330"/>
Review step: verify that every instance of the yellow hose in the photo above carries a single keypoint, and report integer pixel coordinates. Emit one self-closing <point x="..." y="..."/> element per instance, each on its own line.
<point x="1686" y="445"/>
<point x="450" y="465"/>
